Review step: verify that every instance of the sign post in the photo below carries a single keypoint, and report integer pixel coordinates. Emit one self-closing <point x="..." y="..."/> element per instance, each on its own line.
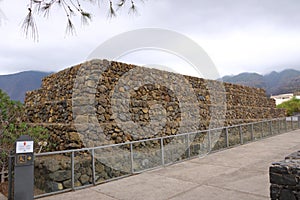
<point x="24" y="169"/>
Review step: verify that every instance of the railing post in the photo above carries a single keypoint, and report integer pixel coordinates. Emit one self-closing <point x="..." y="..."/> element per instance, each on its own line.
<point x="278" y="126"/>
<point x="252" y="130"/>
<point x="285" y="124"/>
<point x="162" y="151"/>
<point x="209" y="141"/>
<point x="227" y="138"/>
<point x="292" y="122"/>
<point x="262" y="130"/>
<point x="270" y="124"/>
<point x="241" y="134"/>
<point x="299" y="121"/>
<point x="10" y="185"/>
<point x="72" y="170"/>
<point x="188" y="145"/>
<point x="131" y="158"/>
<point x="93" y="167"/>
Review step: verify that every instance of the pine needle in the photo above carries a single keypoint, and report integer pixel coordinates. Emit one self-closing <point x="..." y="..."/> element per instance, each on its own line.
<point x="121" y="3"/>
<point x="133" y="9"/>
<point x="29" y="27"/>
<point x="112" y="12"/>
<point x="46" y="9"/>
<point x="70" y="30"/>
<point x="71" y="11"/>
<point x="85" y="17"/>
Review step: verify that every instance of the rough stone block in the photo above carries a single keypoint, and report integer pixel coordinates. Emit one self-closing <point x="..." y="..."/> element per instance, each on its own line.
<point x="101" y="97"/>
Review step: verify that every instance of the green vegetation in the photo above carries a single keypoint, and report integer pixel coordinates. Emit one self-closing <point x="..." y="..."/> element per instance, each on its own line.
<point x="12" y="127"/>
<point x="292" y="106"/>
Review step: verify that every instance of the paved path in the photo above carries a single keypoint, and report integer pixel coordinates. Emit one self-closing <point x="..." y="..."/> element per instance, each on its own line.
<point x="2" y="197"/>
<point x="233" y="174"/>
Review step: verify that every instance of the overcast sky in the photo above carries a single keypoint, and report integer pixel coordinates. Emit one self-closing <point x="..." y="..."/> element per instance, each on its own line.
<point x="238" y="35"/>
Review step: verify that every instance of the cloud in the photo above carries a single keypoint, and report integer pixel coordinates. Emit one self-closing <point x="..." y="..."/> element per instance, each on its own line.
<point x="248" y="35"/>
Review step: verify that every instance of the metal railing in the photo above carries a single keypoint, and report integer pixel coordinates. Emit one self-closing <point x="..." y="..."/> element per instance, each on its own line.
<point x="61" y="171"/>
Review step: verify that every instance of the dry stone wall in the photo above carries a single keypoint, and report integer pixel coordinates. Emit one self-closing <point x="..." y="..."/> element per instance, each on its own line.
<point x="284" y="178"/>
<point x="54" y="173"/>
<point x="119" y="102"/>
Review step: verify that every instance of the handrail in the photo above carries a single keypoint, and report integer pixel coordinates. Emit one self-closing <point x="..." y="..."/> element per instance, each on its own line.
<point x="271" y="127"/>
<point x="157" y="138"/>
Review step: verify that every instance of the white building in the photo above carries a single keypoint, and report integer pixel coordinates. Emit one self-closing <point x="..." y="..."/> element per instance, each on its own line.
<point x="283" y="97"/>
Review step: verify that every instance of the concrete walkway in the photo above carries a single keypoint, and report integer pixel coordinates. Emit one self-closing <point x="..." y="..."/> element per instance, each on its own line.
<point x="2" y="197"/>
<point x="237" y="173"/>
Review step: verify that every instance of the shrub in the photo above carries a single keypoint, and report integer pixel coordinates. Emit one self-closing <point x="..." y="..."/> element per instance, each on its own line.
<point x="292" y="106"/>
<point x="12" y="127"/>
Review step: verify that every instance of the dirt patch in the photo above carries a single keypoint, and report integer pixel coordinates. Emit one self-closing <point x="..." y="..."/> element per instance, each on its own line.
<point x="4" y="188"/>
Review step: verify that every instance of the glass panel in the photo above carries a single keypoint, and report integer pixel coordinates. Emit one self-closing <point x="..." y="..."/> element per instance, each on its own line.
<point x="112" y="162"/>
<point x="266" y="128"/>
<point x="234" y="136"/>
<point x="218" y="139"/>
<point x="295" y="122"/>
<point x="257" y="133"/>
<point x="276" y="127"/>
<point x="52" y="173"/>
<point x="197" y="141"/>
<point x="176" y="149"/>
<point x="246" y="130"/>
<point x="146" y="155"/>
<point x="289" y="123"/>
<point x="282" y="125"/>
<point x="83" y="171"/>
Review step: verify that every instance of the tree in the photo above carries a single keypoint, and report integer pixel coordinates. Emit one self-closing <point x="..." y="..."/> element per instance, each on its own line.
<point x="71" y="8"/>
<point x="292" y="106"/>
<point x="12" y="127"/>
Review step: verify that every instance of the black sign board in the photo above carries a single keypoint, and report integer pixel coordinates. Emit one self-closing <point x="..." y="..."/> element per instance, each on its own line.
<point x="24" y="169"/>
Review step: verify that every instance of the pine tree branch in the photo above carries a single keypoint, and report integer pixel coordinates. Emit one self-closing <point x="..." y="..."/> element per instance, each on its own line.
<point x="70" y="7"/>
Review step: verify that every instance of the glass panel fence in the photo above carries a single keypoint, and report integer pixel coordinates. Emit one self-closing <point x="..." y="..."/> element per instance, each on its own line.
<point x="147" y="154"/>
<point x="176" y="148"/>
<point x="234" y="136"/>
<point x="112" y="162"/>
<point x="52" y="173"/>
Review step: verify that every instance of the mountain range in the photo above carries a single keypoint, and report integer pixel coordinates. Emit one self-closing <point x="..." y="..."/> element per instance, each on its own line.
<point x="16" y="85"/>
<point x="287" y="81"/>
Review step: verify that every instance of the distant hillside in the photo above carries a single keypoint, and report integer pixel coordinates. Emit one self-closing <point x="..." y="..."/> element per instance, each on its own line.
<point x="283" y="82"/>
<point x="287" y="81"/>
<point x="249" y="79"/>
<point x="16" y="85"/>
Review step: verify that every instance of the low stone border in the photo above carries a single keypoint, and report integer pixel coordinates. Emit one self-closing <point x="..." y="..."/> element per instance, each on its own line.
<point x="285" y="178"/>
